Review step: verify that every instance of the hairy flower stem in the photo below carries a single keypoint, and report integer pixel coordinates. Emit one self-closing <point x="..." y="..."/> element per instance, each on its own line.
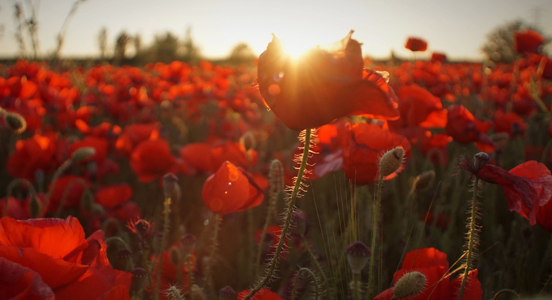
<point x="214" y="248"/>
<point x="375" y="219"/>
<point x="471" y="237"/>
<point x="166" y="227"/>
<point x="295" y="283"/>
<point x="68" y="189"/>
<point x="313" y="258"/>
<point x="287" y="221"/>
<point x="274" y="191"/>
<point x="11" y="186"/>
<point x="190" y="279"/>
<point x="356" y="286"/>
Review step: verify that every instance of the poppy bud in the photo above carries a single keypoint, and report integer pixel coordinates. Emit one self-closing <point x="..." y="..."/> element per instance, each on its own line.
<point x="424" y="180"/>
<point x="196" y="293"/>
<point x="16" y="122"/>
<point x="87" y="202"/>
<point x="139" y="280"/>
<point x="409" y="285"/>
<point x="481" y="159"/>
<point x="188" y="243"/>
<point x="97" y="209"/>
<point x="171" y="189"/>
<point x="357" y="256"/>
<point x="391" y="161"/>
<point x="83" y="153"/>
<point x="175" y="256"/>
<point x="227" y="293"/>
<point x="34" y="207"/>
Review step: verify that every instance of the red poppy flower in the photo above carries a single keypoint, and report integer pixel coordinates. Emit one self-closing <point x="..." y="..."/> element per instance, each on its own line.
<point x="234" y="153"/>
<point x="74" y="268"/>
<point x="416" y="44"/>
<point x="231" y="189"/>
<point x="18" y="282"/>
<point x="435" y="148"/>
<point x="134" y="134"/>
<point x="528" y="41"/>
<point x="433" y="264"/>
<point x="263" y="294"/>
<point x="150" y="159"/>
<point x="363" y="145"/>
<point x="198" y="155"/>
<point x="30" y="155"/>
<point x="322" y="85"/>
<point x="169" y="271"/>
<point x="114" y="195"/>
<point x="464" y="128"/>
<point x="419" y="108"/>
<point x="16" y="209"/>
<point x="510" y="123"/>
<point x="438" y="57"/>
<point x="526" y="187"/>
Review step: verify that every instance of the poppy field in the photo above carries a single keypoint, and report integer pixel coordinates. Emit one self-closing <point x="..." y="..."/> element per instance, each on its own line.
<point x="324" y="176"/>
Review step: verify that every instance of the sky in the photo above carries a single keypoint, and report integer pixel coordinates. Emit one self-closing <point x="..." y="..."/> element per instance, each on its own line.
<point x="457" y="28"/>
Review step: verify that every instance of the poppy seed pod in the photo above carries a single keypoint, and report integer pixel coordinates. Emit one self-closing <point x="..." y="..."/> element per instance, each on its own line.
<point x="357" y="256"/>
<point x="188" y="243"/>
<point x="409" y="285"/>
<point x="16" y="122"/>
<point x="480" y="159"/>
<point x="391" y="161"/>
<point x="83" y="153"/>
<point x="227" y="293"/>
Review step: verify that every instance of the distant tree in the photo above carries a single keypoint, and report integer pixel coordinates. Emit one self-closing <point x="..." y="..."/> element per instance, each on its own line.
<point x="138" y="44"/>
<point x="241" y="53"/>
<point x="191" y="51"/>
<point x="499" y="46"/>
<point x="165" y="48"/>
<point x="120" y="47"/>
<point x="102" y="43"/>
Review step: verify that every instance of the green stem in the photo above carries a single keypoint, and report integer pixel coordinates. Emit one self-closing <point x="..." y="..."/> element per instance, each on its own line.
<point x="175" y="293"/>
<point x="287" y="221"/>
<point x="356" y="286"/>
<point x="375" y="219"/>
<point x="471" y="237"/>
<point x="214" y="247"/>
<point x="10" y="188"/>
<point x="313" y="258"/>
<point x="295" y="283"/>
<point x="166" y="227"/>
<point x="506" y="291"/>
<point x="190" y="279"/>
<point x="57" y="174"/>
<point x="68" y="189"/>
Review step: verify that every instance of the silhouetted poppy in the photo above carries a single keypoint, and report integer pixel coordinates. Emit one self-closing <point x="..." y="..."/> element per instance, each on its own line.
<point x="363" y="145"/>
<point x="262" y="294"/>
<point x="528" y="41"/>
<point x="433" y="264"/>
<point x="322" y="86"/>
<point x="151" y="159"/>
<point x="416" y="44"/>
<point x="526" y="187"/>
<point x="464" y="128"/>
<point x="231" y="189"/>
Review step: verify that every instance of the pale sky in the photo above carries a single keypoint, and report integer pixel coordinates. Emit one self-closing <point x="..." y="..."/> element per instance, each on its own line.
<point x="457" y="28"/>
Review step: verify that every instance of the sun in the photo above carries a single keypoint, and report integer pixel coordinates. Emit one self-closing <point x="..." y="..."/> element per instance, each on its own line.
<point x="296" y="49"/>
